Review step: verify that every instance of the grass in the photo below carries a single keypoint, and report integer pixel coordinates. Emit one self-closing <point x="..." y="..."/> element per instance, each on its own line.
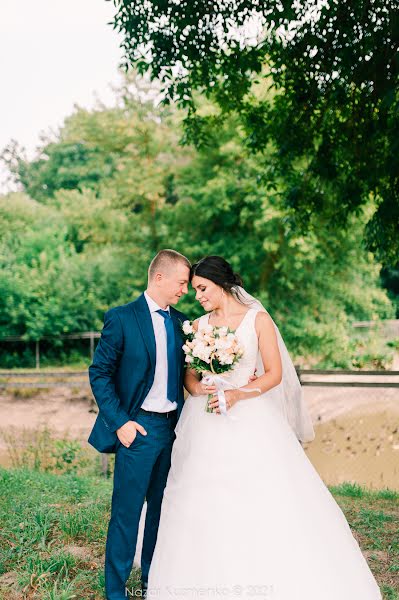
<point x="53" y="530"/>
<point x="374" y="519"/>
<point x="53" y="535"/>
<point x="39" y="450"/>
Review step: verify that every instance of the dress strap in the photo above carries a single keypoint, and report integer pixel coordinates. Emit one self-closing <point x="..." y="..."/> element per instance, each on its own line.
<point x="248" y="322"/>
<point x="252" y="314"/>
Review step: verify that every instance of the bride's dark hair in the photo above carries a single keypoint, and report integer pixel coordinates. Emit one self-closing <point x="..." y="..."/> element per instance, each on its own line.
<point x="218" y="270"/>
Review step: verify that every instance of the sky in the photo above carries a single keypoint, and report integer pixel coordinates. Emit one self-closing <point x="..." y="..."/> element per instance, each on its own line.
<point x="53" y="54"/>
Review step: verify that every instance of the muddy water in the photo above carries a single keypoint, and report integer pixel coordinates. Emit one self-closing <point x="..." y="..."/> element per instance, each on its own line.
<point x="357" y="430"/>
<point x="359" y="448"/>
<point x="357" y="435"/>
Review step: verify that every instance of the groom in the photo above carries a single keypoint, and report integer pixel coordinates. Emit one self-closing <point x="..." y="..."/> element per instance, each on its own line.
<point x="137" y="381"/>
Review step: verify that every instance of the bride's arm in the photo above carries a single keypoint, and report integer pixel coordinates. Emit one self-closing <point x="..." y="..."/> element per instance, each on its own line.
<point x="271" y="359"/>
<point x="192" y="379"/>
<point x="268" y="347"/>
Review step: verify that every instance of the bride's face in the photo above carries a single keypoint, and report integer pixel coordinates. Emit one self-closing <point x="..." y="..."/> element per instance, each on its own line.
<point x="207" y="293"/>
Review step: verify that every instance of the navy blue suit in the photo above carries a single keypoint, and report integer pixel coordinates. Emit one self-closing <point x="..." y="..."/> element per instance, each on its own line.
<point x="121" y="376"/>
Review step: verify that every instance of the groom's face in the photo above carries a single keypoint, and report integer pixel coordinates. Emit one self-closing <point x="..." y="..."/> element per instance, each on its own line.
<point x="174" y="283"/>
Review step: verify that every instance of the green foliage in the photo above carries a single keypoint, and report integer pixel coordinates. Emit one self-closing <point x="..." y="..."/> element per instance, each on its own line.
<point x="47" y="286"/>
<point x="62" y="164"/>
<point x="333" y="115"/>
<point x="40" y="451"/>
<point x="69" y="255"/>
<point x="67" y="455"/>
<point x="315" y="285"/>
<point x="390" y="281"/>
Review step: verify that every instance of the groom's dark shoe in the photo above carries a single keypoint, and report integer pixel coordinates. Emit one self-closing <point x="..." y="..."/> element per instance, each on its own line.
<point x="144" y="587"/>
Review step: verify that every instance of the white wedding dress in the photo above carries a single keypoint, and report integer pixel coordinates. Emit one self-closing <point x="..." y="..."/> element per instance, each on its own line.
<point x="245" y="514"/>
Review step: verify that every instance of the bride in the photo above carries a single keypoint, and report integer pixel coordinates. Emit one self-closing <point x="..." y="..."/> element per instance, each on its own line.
<point x="244" y="512"/>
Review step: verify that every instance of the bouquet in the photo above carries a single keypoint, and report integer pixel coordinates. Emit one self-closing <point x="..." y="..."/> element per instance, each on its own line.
<point x="211" y="351"/>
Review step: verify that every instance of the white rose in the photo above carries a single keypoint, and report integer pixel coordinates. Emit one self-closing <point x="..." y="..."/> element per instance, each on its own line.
<point x="226" y="359"/>
<point x="208" y="338"/>
<point x="222" y="344"/>
<point x="187" y="327"/>
<point x="198" y="349"/>
<point x="203" y="352"/>
<point x="206" y="353"/>
<point x="189" y="359"/>
<point x="221" y="358"/>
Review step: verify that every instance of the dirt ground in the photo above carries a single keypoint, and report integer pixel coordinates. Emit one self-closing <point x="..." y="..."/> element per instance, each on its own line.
<point x="357" y="429"/>
<point x="63" y="411"/>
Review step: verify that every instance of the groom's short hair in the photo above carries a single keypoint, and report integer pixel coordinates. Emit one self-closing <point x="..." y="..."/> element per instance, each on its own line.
<point x="164" y="260"/>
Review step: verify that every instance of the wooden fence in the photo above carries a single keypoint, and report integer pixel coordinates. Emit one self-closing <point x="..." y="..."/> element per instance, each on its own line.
<point x="308" y="377"/>
<point x="86" y="335"/>
<point x="388" y="328"/>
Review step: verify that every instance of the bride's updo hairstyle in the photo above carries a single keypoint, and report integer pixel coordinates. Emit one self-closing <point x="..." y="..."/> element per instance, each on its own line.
<point x="218" y="270"/>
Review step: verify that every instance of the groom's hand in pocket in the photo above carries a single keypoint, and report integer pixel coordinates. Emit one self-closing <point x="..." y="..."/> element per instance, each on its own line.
<point x="127" y="433"/>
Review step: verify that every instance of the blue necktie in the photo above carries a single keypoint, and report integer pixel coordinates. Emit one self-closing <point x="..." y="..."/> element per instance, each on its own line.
<point x="171" y="352"/>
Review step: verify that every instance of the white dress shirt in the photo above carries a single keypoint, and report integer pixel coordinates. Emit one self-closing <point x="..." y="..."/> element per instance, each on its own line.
<point x="157" y="399"/>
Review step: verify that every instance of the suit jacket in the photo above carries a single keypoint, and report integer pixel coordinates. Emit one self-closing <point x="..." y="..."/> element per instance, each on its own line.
<point x="123" y="368"/>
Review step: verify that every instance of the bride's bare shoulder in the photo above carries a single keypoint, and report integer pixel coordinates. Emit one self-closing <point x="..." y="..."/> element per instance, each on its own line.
<point x="195" y="324"/>
<point x="263" y="322"/>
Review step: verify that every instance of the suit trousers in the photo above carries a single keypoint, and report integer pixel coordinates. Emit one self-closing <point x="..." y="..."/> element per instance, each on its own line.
<point x="141" y="472"/>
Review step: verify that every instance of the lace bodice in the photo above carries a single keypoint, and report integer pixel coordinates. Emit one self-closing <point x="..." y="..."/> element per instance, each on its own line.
<point x="247" y="336"/>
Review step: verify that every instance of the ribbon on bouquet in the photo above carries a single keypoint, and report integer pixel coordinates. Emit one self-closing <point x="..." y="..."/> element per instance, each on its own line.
<point x="221" y="386"/>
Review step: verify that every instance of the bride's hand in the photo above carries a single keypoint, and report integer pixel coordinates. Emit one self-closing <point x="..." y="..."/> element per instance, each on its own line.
<point x="253" y="377"/>
<point x="231" y="399"/>
<point x="201" y="389"/>
<point x="230" y="395"/>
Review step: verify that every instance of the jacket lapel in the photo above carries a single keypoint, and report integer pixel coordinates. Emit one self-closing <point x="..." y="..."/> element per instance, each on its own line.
<point x="144" y="320"/>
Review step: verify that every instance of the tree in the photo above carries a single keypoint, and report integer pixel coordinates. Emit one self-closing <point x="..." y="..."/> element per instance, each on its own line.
<point x="61" y="164"/>
<point x="46" y="286"/>
<point x="315" y="286"/>
<point x="333" y="117"/>
<point x="67" y="258"/>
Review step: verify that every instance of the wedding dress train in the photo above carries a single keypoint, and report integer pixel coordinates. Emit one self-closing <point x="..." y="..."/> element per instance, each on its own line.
<point x="245" y="514"/>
